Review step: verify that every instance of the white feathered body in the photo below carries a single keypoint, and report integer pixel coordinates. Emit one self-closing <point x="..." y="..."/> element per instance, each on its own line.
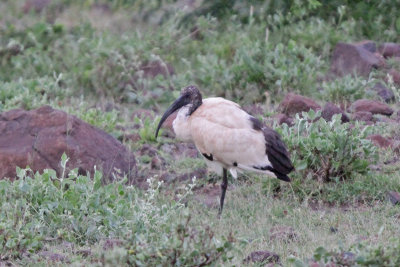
<point x="222" y="130"/>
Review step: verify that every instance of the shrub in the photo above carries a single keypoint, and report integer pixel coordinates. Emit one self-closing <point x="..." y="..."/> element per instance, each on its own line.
<point x="345" y="90"/>
<point x="79" y="209"/>
<point x="359" y="254"/>
<point x="328" y="150"/>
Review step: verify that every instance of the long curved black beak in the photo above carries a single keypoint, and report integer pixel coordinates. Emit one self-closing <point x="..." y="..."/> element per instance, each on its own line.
<point x="180" y="102"/>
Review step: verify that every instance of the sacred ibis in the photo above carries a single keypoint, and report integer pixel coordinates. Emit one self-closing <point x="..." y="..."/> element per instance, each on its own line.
<point x="228" y="137"/>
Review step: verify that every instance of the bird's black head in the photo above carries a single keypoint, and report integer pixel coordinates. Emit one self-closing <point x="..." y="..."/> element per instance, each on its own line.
<point x="191" y="96"/>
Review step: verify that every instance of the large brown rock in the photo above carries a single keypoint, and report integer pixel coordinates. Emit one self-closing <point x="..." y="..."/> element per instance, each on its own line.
<point x="354" y="58"/>
<point x="39" y="137"/>
<point x="373" y="106"/>
<point x="293" y="104"/>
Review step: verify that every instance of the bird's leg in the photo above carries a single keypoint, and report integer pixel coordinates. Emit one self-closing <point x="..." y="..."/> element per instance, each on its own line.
<point x="224" y="186"/>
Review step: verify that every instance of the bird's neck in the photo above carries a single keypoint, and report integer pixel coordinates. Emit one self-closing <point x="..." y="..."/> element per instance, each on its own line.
<point x="193" y="106"/>
<point x="181" y="124"/>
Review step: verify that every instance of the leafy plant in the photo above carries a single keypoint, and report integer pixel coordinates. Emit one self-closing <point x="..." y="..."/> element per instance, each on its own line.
<point x="328" y="150"/>
<point x="345" y="90"/>
<point x="360" y="254"/>
<point x="79" y="209"/>
<point x="147" y="128"/>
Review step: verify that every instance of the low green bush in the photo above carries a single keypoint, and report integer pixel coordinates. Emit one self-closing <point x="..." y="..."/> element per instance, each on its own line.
<point x="79" y="209"/>
<point x="360" y="254"/>
<point x="328" y="150"/>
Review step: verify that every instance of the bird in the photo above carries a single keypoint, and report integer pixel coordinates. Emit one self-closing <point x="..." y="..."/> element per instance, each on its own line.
<point x="227" y="137"/>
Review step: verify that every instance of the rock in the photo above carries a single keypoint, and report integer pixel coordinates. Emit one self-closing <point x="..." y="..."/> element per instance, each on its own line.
<point x="384" y="142"/>
<point x="283" y="233"/>
<point x="380" y="141"/>
<point x="293" y="104"/>
<point x="155" y="163"/>
<point x="254" y="110"/>
<point x="385" y="93"/>
<point x="84" y="252"/>
<point x="330" y="109"/>
<point x="109" y="244"/>
<point x="198" y="173"/>
<point x="373" y="106"/>
<point x="347" y="258"/>
<point x="367" y="45"/>
<point x="148" y="150"/>
<point x="395" y="76"/>
<point x="180" y="150"/>
<point x="388" y="120"/>
<point x="37" y="5"/>
<point x="353" y="58"/>
<point x="389" y="50"/>
<point x="209" y="195"/>
<point x="39" y="137"/>
<point x="154" y="68"/>
<point x="394" y="197"/>
<point x="264" y="256"/>
<point x="53" y="256"/>
<point x="363" y="116"/>
<point x="283" y="118"/>
<point x="130" y="137"/>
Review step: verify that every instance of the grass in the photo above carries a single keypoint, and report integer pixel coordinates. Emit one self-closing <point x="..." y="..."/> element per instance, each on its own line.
<point x="88" y="60"/>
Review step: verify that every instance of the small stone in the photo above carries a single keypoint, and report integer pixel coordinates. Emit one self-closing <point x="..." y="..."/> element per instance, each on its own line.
<point x="53" y="256"/>
<point x="293" y="103"/>
<point x="394" y="197"/>
<point x="380" y="141"/>
<point x="333" y="230"/>
<point x="330" y="109"/>
<point x="264" y="256"/>
<point x="283" y="233"/>
<point x="385" y="93"/>
<point x="389" y="50"/>
<point x="347" y="258"/>
<point x="109" y="244"/>
<point x="282" y="118"/>
<point x="155" y="163"/>
<point x="363" y="116"/>
<point x="84" y="252"/>
<point x="373" y="106"/>
<point x="395" y="76"/>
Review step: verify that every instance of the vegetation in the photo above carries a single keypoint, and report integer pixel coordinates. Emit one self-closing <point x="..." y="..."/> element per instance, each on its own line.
<point x="106" y="60"/>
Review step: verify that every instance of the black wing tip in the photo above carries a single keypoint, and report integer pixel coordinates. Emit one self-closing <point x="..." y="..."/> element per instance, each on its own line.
<point x="278" y="175"/>
<point x="283" y="177"/>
